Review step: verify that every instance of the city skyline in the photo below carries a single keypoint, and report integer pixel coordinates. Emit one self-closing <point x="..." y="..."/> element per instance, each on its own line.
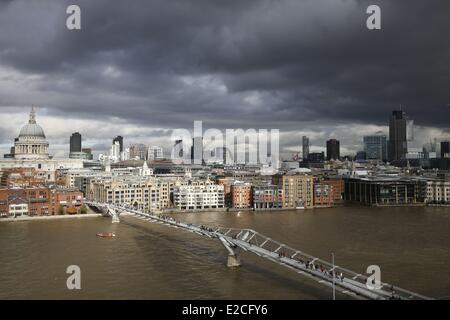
<point x="61" y="148"/>
<point x="295" y="69"/>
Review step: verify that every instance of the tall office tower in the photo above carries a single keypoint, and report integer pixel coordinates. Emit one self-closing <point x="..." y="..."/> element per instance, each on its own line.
<point x="398" y="146"/>
<point x="445" y="149"/>
<point x="155" y="153"/>
<point x="178" y="149"/>
<point x="375" y="147"/>
<point x="115" y="151"/>
<point x="197" y="150"/>
<point x="138" y="151"/>
<point x="305" y="147"/>
<point x="75" y="142"/>
<point x="120" y="140"/>
<point x="333" y="150"/>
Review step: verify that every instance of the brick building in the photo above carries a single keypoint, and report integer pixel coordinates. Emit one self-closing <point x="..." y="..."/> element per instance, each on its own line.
<point x="241" y="195"/>
<point x="226" y="182"/>
<point x="267" y="196"/>
<point x="328" y="192"/>
<point x="39" y="201"/>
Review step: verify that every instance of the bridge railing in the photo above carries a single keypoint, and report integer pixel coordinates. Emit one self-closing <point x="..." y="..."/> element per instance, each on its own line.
<point x="313" y="263"/>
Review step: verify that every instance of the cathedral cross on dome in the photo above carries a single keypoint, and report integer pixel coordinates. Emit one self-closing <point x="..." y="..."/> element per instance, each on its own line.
<point x="32" y="116"/>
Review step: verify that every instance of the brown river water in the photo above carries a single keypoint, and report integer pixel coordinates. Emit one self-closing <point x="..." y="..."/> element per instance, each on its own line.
<point x="150" y="261"/>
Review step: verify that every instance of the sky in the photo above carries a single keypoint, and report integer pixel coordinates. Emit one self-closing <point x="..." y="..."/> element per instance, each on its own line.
<point x="142" y="68"/>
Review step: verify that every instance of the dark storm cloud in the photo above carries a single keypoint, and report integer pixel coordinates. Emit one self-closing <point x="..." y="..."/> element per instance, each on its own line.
<point x="274" y="64"/>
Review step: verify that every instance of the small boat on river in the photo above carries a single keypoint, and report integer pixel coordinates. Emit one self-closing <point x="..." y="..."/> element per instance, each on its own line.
<point x="106" y="234"/>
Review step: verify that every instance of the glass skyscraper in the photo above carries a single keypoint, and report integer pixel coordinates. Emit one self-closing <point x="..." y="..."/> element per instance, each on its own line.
<point x="398" y="128"/>
<point x="75" y="142"/>
<point x="305" y="147"/>
<point x="375" y="147"/>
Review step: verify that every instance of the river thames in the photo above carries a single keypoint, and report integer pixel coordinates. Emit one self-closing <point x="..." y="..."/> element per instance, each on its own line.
<point x="149" y="261"/>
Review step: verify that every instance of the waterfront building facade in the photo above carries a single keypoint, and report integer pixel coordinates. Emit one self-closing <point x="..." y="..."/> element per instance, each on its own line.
<point x="438" y="191"/>
<point x="298" y="191"/>
<point x="267" y="196"/>
<point x="241" y="195"/>
<point x="39" y="201"/>
<point x="226" y="182"/>
<point x="205" y="195"/>
<point x="385" y="191"/>
<point x="142" y="193"/>
<point x="328" y="192"/>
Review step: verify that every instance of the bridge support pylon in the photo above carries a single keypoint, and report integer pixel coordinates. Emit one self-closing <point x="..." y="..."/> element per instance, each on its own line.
<point x="233" y="253"/>
<point x="114" y="214"/>
<point x="233" y="261"/>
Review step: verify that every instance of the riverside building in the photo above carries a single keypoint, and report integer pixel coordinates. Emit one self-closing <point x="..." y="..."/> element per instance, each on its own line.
<point x="198" y="196"/>
<point x="39" y="201"/>
<point x="267" y="197"/>
<point x="297" y="189"/>
<point x="386" y="190"/>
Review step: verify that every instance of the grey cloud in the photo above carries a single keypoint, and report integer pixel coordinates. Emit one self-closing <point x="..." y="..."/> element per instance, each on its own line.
<point x="285" y="64"/>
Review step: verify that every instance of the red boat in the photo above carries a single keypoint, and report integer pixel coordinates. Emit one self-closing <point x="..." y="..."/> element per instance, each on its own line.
<point x="106" y="234"/>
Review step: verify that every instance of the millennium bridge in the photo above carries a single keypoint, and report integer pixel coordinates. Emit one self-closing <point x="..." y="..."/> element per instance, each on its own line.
<point x="354" y="284"/>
